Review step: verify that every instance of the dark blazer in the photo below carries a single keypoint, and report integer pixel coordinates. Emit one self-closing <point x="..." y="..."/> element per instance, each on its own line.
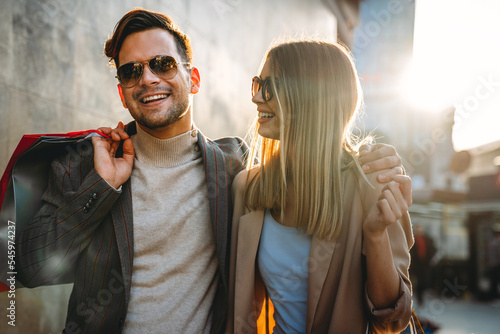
<point x="84" y="234"/>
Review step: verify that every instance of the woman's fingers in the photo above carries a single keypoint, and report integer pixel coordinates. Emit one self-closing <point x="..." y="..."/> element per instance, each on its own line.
<point x="392" y="210"/>
<point x="404" y="182"/>
<point x="394" y="199"/>
<point x="386" y="213"/>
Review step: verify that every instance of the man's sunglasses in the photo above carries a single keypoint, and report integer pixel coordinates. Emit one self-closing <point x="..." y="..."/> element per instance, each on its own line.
<point x="265" y="85"/>
<point x="164" y="67"/>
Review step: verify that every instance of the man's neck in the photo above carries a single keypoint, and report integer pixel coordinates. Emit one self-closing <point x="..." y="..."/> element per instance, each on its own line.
<point x="181" y="126"/>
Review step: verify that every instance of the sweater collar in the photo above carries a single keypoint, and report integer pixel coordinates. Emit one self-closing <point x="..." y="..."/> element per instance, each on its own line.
<point x="169" y="152"/>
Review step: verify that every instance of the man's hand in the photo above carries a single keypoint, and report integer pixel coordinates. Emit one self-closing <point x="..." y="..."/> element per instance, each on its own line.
<point x="115" y="171"/>
<point x="377" y="157"/>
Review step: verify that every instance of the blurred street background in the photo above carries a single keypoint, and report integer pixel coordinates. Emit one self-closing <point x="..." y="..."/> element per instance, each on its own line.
<point x="430" y="72"/>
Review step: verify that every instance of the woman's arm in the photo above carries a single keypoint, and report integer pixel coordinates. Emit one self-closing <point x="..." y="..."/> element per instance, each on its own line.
<point x="383" y="279"/>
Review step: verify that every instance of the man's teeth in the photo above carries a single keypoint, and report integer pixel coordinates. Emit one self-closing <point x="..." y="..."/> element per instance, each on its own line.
<point x="265" y="115"/>
<point x="154" y="97"/>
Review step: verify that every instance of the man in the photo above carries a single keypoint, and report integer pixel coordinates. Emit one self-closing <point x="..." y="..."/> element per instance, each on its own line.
<point x="141" y="222"/>
<point x="421" y="254"/>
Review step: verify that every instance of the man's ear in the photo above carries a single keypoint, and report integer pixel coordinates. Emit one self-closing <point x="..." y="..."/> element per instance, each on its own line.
<point x="195" y="80"/>
<point x="120" y="91"/>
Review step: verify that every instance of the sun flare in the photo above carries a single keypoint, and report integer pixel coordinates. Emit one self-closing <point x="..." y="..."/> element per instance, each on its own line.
<point x="456" y="63"/>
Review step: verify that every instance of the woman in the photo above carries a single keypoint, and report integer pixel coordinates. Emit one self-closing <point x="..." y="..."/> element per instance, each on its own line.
<point x="317" y="246"/>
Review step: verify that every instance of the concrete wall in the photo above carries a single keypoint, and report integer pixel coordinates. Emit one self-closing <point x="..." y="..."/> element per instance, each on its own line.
<point x="55" y="78"/>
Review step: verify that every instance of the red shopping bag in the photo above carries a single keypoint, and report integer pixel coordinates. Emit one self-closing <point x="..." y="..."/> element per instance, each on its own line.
<point x="23" y="184"/>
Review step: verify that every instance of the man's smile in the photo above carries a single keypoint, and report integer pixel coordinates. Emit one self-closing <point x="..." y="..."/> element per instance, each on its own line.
<point x="154" y="98"/>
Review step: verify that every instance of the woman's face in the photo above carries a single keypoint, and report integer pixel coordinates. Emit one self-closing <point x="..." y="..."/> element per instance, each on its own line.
<point x="269" y="122"/>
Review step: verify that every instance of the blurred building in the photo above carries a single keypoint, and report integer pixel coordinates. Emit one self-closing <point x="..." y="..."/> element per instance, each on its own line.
<point x="383" y="48"/>
<point x="481" y="165"/>
<point x="347" y="14"/>
<point x="456" y="194"/>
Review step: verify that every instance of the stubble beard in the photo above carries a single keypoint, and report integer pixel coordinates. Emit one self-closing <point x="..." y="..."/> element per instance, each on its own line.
<point x="162" y="118"/>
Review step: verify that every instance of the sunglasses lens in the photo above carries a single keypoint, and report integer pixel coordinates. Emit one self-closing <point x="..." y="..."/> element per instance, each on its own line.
<point x="165" y="66"/>
<point x="265" y="85"/>
<point x="129" y="74"/>
<point x="266" y="90"/>
<point x="255" y="85"/>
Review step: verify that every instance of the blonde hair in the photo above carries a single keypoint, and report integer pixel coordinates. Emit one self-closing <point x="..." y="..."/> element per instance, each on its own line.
<point x="317" y="90"/>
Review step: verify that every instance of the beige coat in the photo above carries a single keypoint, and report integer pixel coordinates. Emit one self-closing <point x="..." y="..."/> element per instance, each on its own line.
<point x="337" y="301"/>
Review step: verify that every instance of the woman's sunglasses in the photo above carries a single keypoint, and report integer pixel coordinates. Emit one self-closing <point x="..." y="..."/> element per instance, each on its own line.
<point x="163" y="66"/>
<point x="265" y="85"/>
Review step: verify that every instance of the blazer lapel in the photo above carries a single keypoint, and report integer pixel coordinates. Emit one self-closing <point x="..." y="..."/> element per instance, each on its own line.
<point x="249" y="231"/>
<point x="122" y="220"/>
<point x="320" y="257"/>
<point x="122" y="215"/>
<point x="218" y="195"/>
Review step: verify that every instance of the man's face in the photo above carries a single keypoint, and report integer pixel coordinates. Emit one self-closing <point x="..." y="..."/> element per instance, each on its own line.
<point x="161" y="107"/>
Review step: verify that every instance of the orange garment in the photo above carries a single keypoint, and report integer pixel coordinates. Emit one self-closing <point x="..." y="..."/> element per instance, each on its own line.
<point x="421" y="244"/>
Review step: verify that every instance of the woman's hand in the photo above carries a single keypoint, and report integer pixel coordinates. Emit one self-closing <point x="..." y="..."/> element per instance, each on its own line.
<point x="392" y="204"/>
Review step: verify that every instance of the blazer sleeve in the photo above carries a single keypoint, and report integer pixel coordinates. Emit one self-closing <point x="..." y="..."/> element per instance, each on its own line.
<point x="397" y="317"/>
<point x="237" y="190"/>
<point x="74" y="203"/>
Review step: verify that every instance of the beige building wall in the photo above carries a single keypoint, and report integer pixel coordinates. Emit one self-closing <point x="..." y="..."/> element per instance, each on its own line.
<point x="55" y="78"/>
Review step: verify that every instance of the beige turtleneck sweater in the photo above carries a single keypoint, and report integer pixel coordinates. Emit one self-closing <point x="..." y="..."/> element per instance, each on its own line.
<point x="174" y="275"/>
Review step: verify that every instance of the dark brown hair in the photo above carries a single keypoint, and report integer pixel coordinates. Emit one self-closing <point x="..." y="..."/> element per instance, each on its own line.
<point x="140" y="20"/>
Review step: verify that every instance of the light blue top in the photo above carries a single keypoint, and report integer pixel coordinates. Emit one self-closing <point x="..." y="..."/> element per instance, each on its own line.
<point x="283" y="260"/>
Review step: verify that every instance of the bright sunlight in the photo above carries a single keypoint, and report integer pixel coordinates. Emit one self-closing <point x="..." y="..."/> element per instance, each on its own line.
<point x="457" y="63"/>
